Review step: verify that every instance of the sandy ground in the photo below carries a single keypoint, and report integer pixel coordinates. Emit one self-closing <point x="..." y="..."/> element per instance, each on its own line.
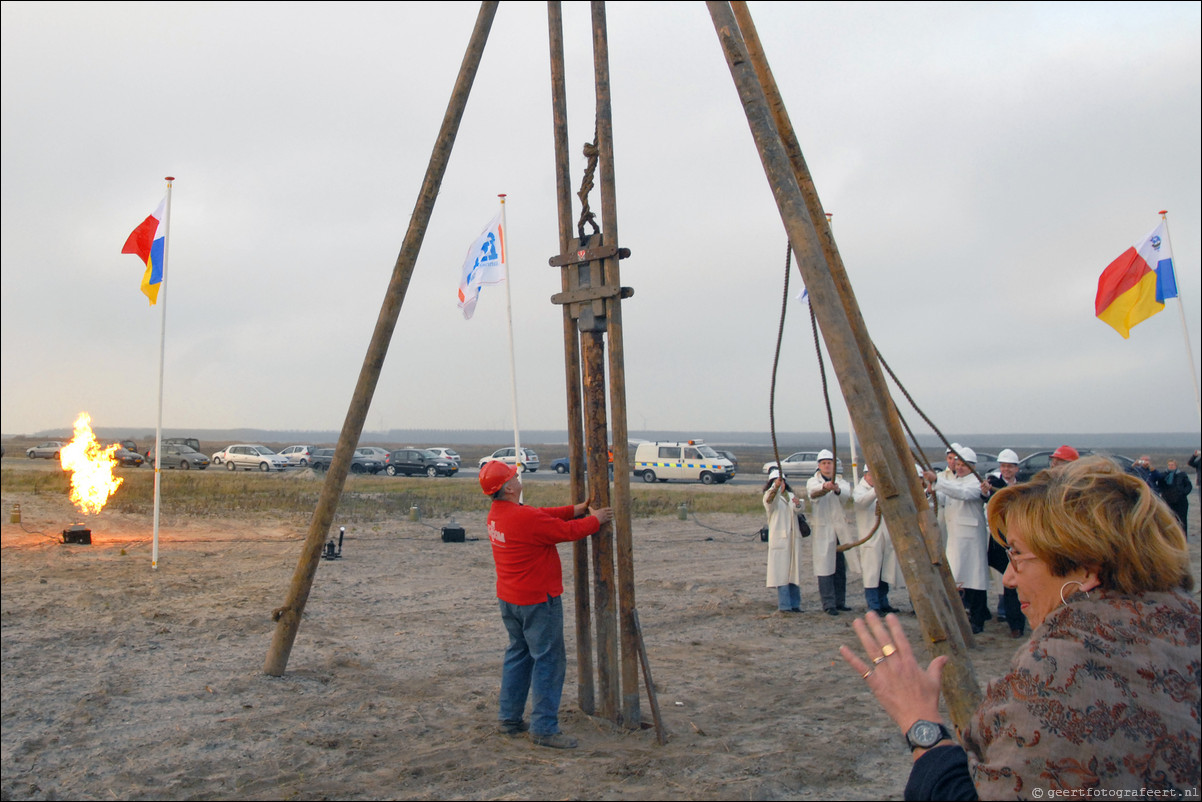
<point x="124" y="682"/>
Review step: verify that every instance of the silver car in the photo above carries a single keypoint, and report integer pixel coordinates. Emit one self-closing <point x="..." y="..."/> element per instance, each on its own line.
<point x="801" y="463"/>
<point x="298" y="455"/>
<point x="250" y="457"/>
<point x="47" y="450"/>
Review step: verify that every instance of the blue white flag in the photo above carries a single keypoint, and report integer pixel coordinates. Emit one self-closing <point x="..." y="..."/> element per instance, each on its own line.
<point x="485" y="264"/>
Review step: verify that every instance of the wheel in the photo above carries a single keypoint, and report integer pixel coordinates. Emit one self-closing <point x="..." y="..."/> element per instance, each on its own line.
<point x="216" y="460"/>
<point x="390" y="470"/>
<point x="304" y="463"/>
<point x="356" y="468"/>
<point x="431" y="472"/>
<point x="561" y="468"/>
<point x="29" y="454"/>
<point x="185" y="466"/>
<point x="229" y="466"/>
<point x="264" y="467"/>
<point x="707" y="478"/>
<point x="648" y="476"/>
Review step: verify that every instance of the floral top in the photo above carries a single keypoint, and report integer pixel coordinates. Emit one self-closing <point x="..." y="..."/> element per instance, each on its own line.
<point x="1105" y="695"/>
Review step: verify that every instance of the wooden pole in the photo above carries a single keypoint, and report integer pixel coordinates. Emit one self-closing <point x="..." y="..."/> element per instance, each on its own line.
<point x="288" y="617"/>
<point x="858" y="371"/>
<point x="830" y="251"/>
<point x="571" y="350"/>
<point x="631" y="715"/>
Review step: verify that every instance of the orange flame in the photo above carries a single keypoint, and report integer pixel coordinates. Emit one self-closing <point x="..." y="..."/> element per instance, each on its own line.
<point x="91" y="466"/>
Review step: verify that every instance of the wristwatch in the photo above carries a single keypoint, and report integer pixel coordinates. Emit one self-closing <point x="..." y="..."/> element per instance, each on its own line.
<point x="924" y="734"/>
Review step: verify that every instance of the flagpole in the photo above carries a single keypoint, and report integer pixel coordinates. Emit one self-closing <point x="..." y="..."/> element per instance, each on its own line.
<point x="513" y="374"/>
<point x="1189" y="349"/>
<point x="158" y="432"/>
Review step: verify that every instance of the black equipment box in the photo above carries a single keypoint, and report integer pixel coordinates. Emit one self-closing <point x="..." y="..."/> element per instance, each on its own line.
<point x="452" y="534"/>
<point x="78" y="534"/>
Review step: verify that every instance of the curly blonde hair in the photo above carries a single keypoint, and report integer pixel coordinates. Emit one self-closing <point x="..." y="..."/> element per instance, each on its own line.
<point x="1090" y="514"/>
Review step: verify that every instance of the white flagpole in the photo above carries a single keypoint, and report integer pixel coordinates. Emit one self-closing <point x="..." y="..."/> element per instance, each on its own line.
<point x="518" y="456"/>
<point x="1189" y="349"/>
<point x="158" y="433"/>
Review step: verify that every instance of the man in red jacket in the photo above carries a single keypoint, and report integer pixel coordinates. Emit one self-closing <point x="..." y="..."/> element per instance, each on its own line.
<point x="529" y="587"/>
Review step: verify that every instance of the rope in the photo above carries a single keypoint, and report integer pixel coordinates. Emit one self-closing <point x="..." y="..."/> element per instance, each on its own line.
<point x="929" y="422"/>
<point x="591" y="153"/>
<point x="826" y="396"/>
<point x="780" y="333"/>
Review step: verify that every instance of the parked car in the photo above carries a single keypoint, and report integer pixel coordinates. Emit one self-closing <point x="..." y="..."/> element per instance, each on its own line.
<point x="360" y="463"/>
<point x="128" y="458"/>
<point x="408" y="461"/>
<point x="190" y="442"/>
<point x="730" y="456"/>
<point x="1032" y="464"/>
<point x="562" y="465"/>
<point x="249" y="457"/>
<point x="447" y="454"/>
<point x="182" y="457"/>
<point x="506" y="455"/>
<point x="298" y="455"/>
<point x="48" y="450"/>
<point x="801" y="463"/>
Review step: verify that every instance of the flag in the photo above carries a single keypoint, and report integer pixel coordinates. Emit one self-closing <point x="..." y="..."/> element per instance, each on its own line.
<point x="485" y="264"/>
<point x="1135" y="286"/>
<point x="149" y="243"/>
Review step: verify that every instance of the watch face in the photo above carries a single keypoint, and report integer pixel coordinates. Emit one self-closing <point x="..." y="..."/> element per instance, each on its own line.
<point x="925" y="734"/>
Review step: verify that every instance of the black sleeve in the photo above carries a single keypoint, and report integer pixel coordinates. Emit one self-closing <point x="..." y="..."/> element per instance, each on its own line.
<point x="941" y="773"/>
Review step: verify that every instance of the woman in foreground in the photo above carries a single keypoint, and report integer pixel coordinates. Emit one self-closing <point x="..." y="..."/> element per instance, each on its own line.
<point x="1105" y="695"/>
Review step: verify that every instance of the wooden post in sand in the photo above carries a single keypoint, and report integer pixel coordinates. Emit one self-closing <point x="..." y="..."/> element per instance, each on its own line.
<point x="591" y="298"/>
<point x="585" y="694"/>
<point x="902" y="501"/>
<point x="288" y="617"/>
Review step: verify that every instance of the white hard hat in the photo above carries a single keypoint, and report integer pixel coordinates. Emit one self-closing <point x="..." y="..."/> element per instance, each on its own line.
<point x="1008" y="456"/>
<point x="967" y="454"/>
<point x="774" y="473"/>
<point x="954" y="447"/>
<point x="825" y="454"/>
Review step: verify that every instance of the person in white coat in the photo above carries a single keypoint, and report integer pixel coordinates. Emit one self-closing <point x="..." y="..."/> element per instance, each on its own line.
<point x="829" y="525"/>
<point x="878" y="562"/>
<point x="967" y="535"/>
<point x="784" y="542"/>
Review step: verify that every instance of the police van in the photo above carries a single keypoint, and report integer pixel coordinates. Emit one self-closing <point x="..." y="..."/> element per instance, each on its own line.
<point x="692" y="461"/>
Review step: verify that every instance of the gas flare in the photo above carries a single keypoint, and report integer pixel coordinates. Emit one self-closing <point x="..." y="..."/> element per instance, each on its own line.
<point x="91" y="467"/>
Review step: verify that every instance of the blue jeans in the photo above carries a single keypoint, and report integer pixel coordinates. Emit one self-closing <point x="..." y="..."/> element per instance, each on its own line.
<point x="788" y="597"/>
<point x="535" y="657"/>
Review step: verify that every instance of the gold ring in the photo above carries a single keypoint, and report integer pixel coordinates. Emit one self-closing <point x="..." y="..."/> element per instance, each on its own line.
<point x="888" y="649"/>
<point x="876" y="661"/>
<point x="866" y="673"/>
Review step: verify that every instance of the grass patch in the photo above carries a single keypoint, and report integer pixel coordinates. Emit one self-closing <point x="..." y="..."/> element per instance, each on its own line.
<point x="294" y="495"/>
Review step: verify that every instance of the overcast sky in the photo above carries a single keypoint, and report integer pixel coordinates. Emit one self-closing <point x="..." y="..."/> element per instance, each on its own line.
<point x="983" y="162"/>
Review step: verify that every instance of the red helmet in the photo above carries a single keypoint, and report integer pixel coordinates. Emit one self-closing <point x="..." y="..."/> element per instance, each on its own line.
<point x="1066" y="453"/>
<point x="494" y="475"/>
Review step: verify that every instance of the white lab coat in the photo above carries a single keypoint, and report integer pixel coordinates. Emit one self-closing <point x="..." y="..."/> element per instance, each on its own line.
<point x="784" y="539"/>
<point x="877" y="558"/>
<point x="967" y="532"/>
<point x="829" y="524"/>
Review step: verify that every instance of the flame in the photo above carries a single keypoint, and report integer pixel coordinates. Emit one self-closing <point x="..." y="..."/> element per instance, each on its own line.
<point x="91" y="466"/>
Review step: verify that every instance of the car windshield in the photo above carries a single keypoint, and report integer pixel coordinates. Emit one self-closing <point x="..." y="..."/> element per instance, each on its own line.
<point x="428" y="454"/>
<point x="262" y="450"/>
<point x="708" y="452"/>
<point x="451" y="453"/>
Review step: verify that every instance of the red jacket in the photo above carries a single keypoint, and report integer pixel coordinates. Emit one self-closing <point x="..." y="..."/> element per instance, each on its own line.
<point x="523" y="547"/>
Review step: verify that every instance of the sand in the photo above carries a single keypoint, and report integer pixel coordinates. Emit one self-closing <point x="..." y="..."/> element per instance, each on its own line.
<point x="124" y="682"/>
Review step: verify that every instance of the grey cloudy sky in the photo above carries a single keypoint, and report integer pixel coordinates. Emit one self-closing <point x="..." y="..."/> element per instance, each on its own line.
<point x="984" y="163"/>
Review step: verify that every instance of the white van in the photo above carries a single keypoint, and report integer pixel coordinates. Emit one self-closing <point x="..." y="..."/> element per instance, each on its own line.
<point x="692" y="461"/>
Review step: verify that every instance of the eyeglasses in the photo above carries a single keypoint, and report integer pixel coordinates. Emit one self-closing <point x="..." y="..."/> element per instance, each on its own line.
<point x="1016" y="558"/>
